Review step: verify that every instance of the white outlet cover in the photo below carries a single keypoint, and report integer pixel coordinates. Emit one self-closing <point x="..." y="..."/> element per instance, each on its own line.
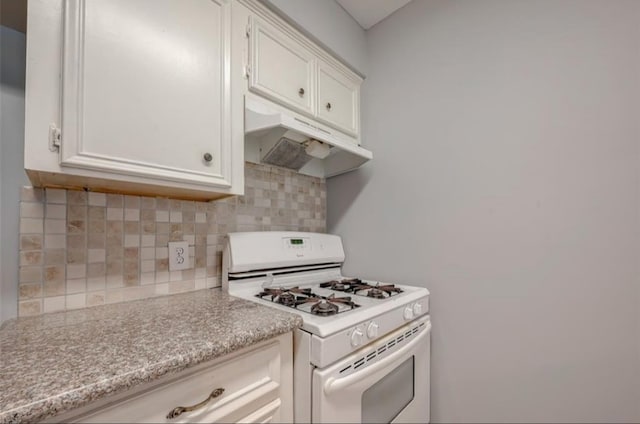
<point x="179" y="255"/>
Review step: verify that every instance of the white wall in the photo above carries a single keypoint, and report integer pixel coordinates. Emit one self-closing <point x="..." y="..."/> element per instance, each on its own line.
<point x="505" y="179"/>
<point x="12" y="176"/>
<point x="330" y="24"/>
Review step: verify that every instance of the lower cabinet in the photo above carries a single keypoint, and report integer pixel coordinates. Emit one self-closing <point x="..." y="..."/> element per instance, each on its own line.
<point x="253" y="385"/>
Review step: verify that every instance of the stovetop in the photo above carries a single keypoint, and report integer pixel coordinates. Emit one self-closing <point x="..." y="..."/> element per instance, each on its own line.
<point x="343" y="296"/>
<point x="301" y="272"/>
<point x="298" y="295"/>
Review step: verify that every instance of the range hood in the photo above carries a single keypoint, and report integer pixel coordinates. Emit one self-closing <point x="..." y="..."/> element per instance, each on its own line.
<point x="275" y="137"/>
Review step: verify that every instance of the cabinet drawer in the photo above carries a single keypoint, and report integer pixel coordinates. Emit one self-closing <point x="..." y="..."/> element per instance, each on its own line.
<point x="338" y="99"/>
<point x="280" y="68"/>
<point x="267" y="414"/>
<point x="251" y="383"/>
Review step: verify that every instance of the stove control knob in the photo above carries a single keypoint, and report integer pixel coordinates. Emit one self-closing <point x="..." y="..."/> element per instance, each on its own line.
<point x="356" y="337"/>
<point x="372" y="330"/>
<point x="408" y="313"/>
<point x="417" y="309"/>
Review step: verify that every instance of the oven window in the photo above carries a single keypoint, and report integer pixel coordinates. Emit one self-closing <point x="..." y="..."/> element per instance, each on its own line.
<point x="382" y="402"/>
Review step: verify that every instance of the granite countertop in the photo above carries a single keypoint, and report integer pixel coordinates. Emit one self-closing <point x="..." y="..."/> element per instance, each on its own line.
<point x="56" y="362"/>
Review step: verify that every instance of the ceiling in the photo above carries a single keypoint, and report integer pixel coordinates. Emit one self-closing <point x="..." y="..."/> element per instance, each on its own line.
<point x="369" y="12"/>
<point x="366" y="12"/>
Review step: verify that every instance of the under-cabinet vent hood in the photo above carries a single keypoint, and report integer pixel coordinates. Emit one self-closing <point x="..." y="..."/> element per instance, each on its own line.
<point x="278" y="138"/>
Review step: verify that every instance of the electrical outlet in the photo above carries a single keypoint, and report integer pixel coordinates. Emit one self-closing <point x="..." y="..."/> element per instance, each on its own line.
<point x="179" y="255"/>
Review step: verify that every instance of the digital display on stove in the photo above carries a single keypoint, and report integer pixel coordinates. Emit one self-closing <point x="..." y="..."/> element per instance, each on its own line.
<point x="296" y="241"/>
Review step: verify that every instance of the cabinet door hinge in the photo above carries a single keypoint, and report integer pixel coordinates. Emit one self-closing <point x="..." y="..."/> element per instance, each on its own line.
<point x="55" y="138"/>
<point x="248" y="31"/>
<point x="247" y="71"/>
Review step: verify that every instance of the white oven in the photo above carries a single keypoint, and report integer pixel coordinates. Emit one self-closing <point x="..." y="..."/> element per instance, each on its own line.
<point x="362" y="353"/>
<point x="386" y="381"/>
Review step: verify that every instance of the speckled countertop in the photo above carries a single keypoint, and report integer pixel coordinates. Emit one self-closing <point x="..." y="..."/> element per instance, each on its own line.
<point x="56" y="362"/>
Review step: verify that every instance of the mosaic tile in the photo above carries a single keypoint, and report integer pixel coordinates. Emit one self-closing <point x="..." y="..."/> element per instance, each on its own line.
<point x="80" y="249"/>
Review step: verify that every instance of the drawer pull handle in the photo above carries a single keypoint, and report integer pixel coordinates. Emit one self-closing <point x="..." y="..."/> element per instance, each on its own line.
<point x="179" y="410"/>
<point x="301" y="92"/>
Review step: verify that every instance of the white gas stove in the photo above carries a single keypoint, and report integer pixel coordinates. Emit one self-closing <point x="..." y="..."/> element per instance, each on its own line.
<point x="356" y="333"/>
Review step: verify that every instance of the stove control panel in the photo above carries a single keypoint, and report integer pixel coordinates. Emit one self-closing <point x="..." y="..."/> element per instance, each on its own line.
<point x="328" y="349"/>
<point x="297" y="243"/>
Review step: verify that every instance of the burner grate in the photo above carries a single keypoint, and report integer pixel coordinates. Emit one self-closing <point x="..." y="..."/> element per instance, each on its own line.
<point x="359" y="288"/>
<point x="306" y="300"/>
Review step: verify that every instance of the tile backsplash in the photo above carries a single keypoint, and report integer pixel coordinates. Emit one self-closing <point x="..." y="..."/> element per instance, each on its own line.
<point x="80" y="249"/>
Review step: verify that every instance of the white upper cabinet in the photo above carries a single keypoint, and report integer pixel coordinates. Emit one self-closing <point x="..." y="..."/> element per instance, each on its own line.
<point x="281" y="68"/>
<point x="287" y="68"/>
<point x="144" y="90"/>
<point x="338" y="99"/>
<point x="145" y="98"/>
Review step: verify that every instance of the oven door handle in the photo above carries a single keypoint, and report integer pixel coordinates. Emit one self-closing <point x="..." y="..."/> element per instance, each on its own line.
<point x="334" y="384"/>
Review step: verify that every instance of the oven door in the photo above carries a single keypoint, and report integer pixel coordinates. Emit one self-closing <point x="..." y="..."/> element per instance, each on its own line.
<point x="386" y="381"/>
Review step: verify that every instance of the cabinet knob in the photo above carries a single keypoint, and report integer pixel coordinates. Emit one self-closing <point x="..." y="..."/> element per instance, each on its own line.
<point x="208" y="157"/>
<point x="328" y="106"/>
<point x="301" y="92"/>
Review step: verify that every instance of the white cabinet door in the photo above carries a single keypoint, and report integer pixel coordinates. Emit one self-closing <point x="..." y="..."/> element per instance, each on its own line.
<point x="280" y="68"/>
<point x="146" y="89"/>
<point x="338" y="99"/>
<point x="241" y="386"/>
<point x="253" y="385"/>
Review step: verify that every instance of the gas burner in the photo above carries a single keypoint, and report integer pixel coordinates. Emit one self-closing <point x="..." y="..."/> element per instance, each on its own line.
<point x="331" y="305"/>
<point x="324" y="308"/>
<point x="285" y="296"/>
<point x="287" y="299"/>
<point x="344" y="285"/>
<point x="339" y="287"/>
<point x="335" y="285"/>
<point x="375" y="293"/>
<point x="390" y="289"/>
